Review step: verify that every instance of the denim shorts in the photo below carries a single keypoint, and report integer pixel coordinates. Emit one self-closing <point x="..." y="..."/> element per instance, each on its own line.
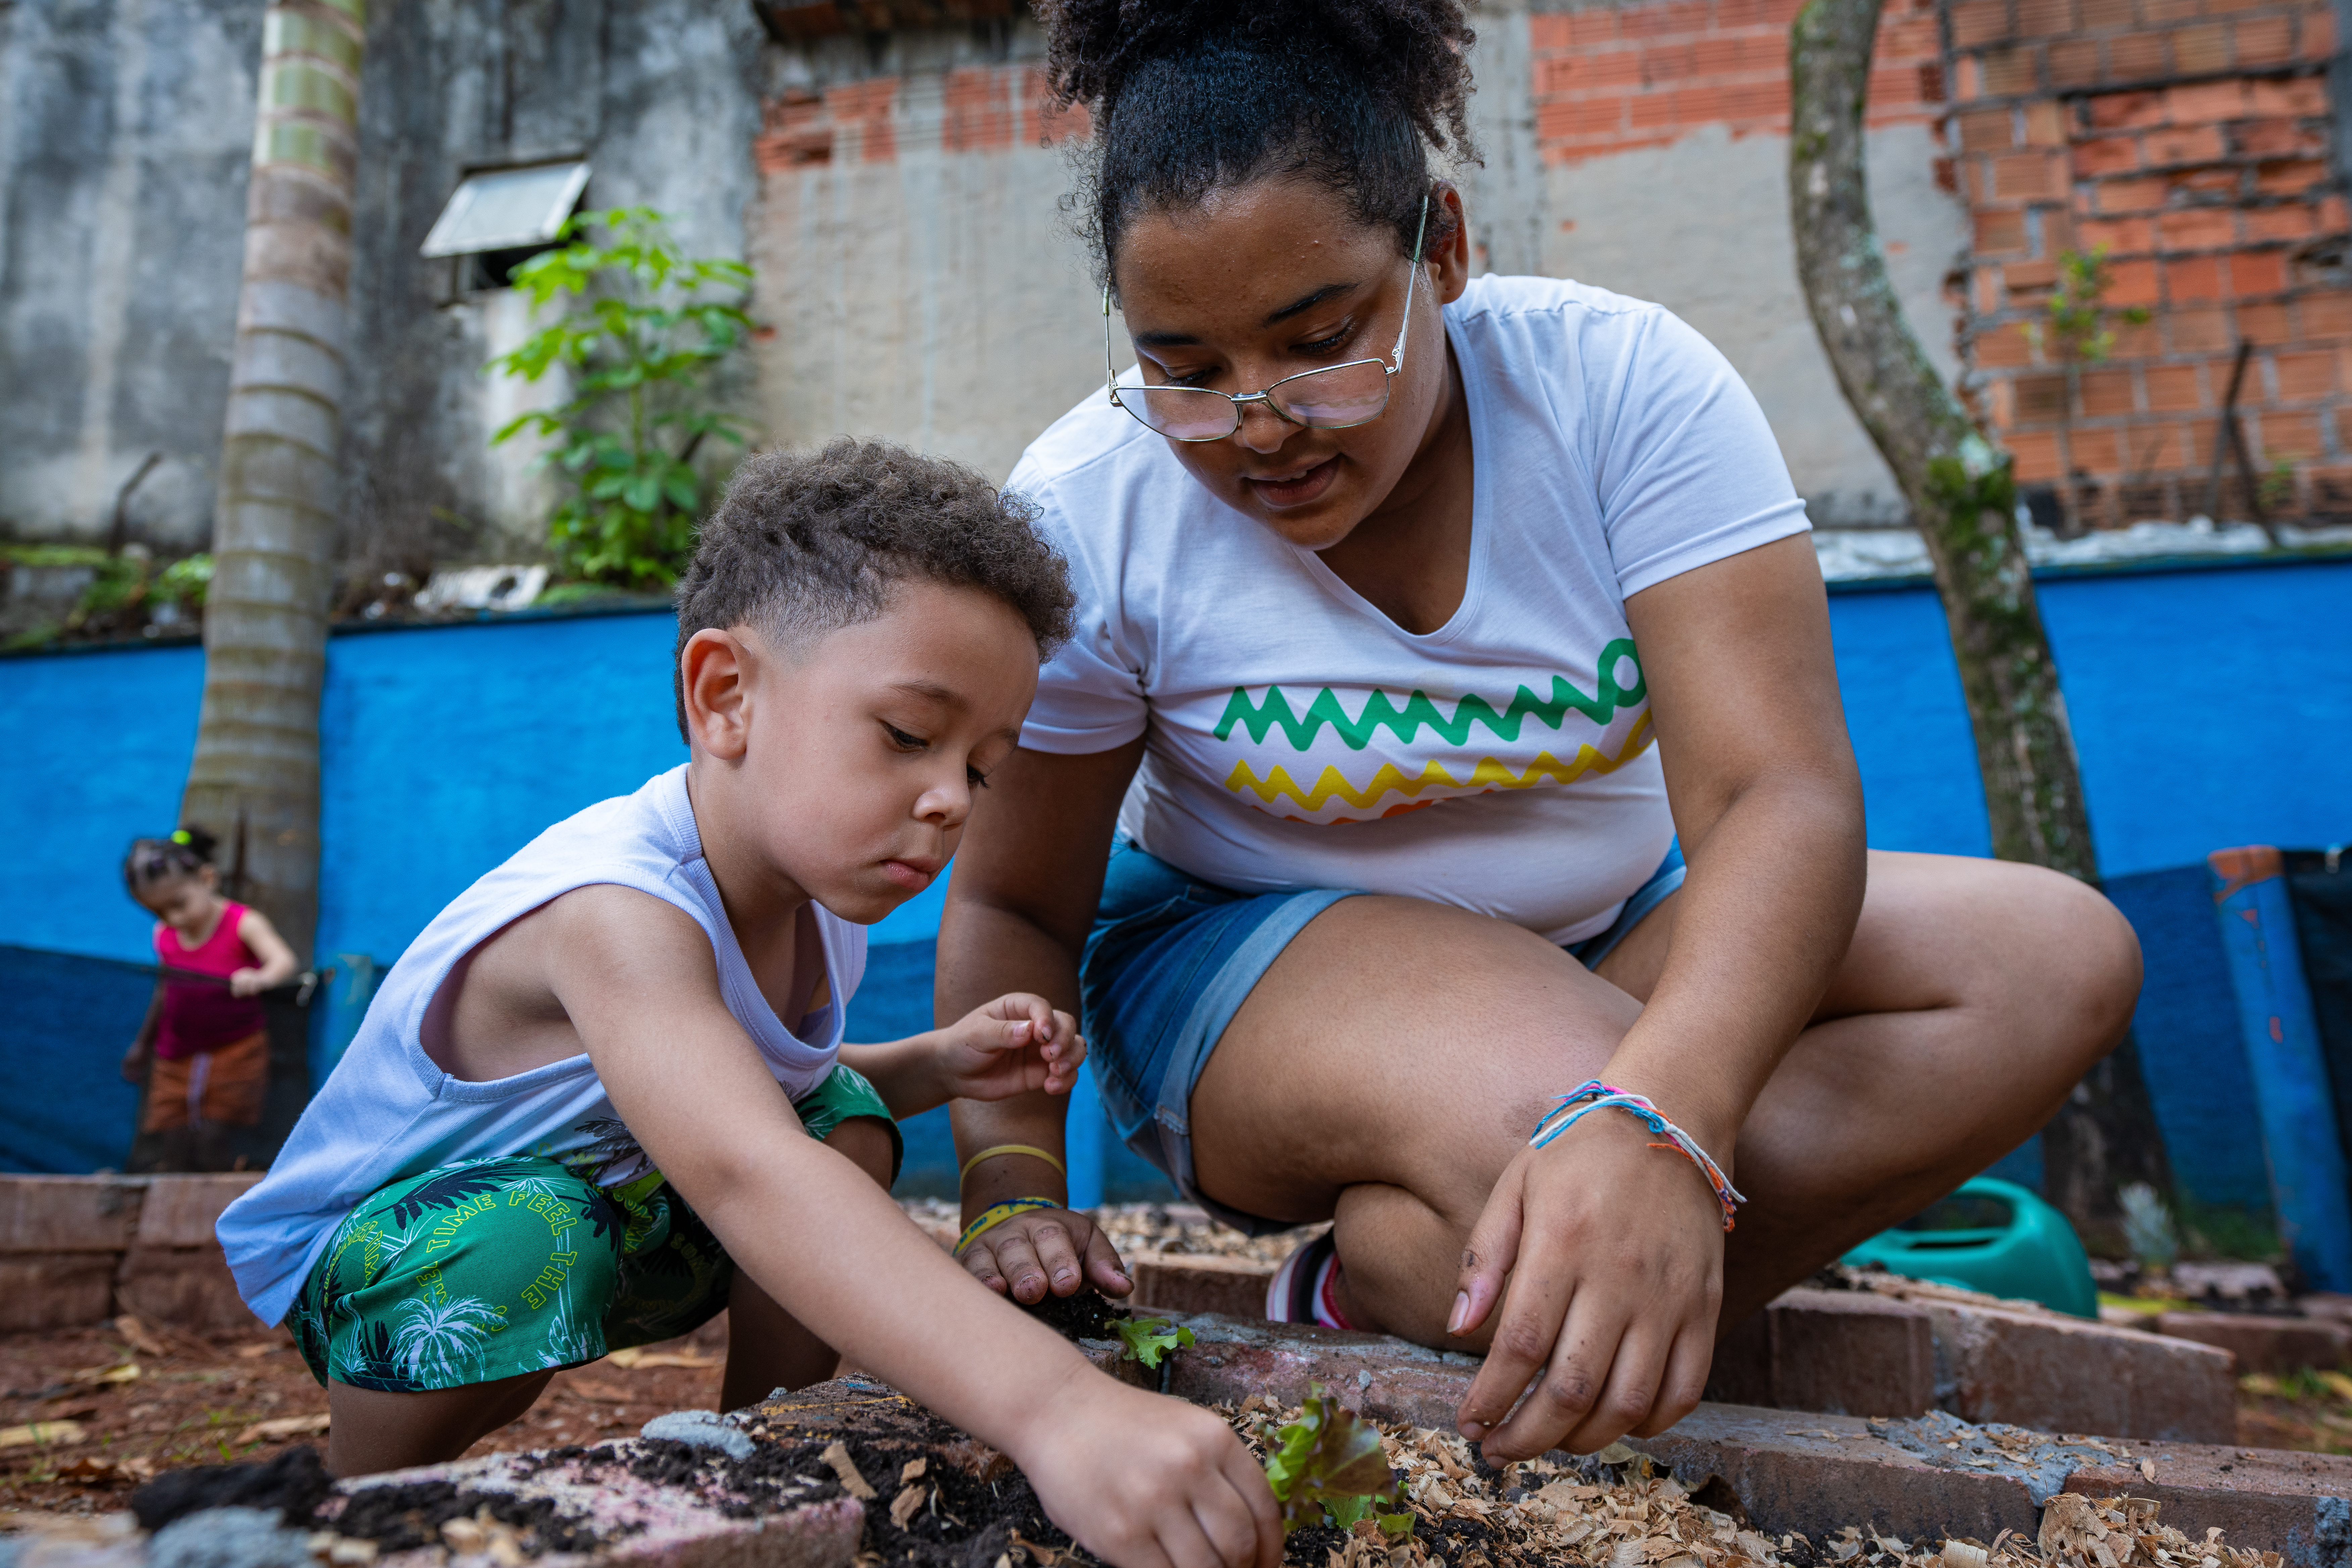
<point x="1170" y="961"/>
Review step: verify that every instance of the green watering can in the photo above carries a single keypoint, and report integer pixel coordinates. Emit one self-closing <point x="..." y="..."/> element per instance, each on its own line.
<point x="1994" y="1236"/>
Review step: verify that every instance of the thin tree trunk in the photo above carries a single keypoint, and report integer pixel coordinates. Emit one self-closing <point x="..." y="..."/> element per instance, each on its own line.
<point x="255" y="779"/>
<point x="1964" y="498"/>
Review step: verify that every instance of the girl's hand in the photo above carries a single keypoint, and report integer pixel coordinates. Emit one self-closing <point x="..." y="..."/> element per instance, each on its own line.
<point x="1013" y="1046"/>
<point x="1613" y="1254"/>
<point x="247" y="983"/>
<point x="134" y="1061"/>
<point x="1055" y="1249"/>
<point x="1141" y="1480"/>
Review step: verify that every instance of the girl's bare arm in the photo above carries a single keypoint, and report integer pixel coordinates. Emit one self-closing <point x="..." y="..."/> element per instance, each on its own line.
<point x="278" y="965"/>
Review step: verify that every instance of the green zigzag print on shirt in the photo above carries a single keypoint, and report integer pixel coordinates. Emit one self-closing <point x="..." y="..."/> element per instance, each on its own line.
<point x="1426" y="780"/>
<point x="1380" y="713"/>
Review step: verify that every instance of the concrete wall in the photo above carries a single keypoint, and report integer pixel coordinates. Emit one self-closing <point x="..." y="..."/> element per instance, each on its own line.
<point x="126" y="130"/>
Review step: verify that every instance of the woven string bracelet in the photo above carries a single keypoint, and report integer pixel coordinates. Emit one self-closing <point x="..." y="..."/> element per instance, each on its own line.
<point x="1573" y="1106"/>
<point x="995" y="1214"/>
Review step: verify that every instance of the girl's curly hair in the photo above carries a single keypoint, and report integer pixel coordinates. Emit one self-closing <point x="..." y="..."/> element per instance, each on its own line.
<point x="1194" y="96"/>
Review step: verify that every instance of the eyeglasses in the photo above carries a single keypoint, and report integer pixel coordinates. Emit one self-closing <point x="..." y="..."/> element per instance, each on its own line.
<point x="1335" y="397"/>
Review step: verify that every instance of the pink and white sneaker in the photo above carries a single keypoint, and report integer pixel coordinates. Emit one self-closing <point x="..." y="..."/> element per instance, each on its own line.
<point x="1304" y="1289"/>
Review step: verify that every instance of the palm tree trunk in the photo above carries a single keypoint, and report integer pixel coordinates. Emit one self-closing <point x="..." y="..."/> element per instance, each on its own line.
<point x="1962" y="494"/>
<point x="255" y="779"/>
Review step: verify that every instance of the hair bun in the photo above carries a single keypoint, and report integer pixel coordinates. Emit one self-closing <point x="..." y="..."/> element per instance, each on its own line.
<point x="195" y="841"/>
<point x="1410" y="57"/>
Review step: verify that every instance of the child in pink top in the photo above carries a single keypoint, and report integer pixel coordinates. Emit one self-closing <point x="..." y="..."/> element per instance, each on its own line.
<point x="204" y="1050"/>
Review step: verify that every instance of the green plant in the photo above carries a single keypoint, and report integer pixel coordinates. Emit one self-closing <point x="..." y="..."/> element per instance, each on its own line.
<point x="1149" y="1339"/>
<point x="2077" y="318"/>
<point x="2278" y="486"/>
<point x="640" y="339"/>
<point x="1330" y="1464"/>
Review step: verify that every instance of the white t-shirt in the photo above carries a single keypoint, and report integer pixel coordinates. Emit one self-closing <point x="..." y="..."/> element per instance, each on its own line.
<point x="388" y="1112"/>
<point x="1295" y="733"/>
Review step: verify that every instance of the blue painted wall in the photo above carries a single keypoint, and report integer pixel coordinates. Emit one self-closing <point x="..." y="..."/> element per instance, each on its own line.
<point x="2211" y="707"/>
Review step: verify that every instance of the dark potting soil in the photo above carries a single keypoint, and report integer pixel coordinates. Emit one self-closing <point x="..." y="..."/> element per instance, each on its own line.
<point x="401" y="1517"/>
<point x="295" y="1482"/>
<point x="1088" y="1315"/>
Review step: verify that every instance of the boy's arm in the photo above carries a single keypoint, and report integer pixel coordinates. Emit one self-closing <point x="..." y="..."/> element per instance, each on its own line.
<point x="1140" y="1480"/>
<point x="1014" y="1046"/>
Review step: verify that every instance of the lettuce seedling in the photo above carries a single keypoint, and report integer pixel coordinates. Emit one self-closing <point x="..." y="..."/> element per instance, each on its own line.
<point x="1330" y="1464"/>
<point x="1149" y="1338"/>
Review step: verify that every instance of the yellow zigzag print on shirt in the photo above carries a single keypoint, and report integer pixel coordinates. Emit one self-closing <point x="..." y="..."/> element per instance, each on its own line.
<point x="1488" y="775"/>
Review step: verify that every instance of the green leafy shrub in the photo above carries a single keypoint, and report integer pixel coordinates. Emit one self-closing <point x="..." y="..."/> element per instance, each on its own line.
<point x="1329" y="1464"/>
<point x="646" y="328"/>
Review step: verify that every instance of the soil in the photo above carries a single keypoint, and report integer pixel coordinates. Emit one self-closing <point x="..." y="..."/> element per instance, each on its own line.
<point x="1086" y="1315"/>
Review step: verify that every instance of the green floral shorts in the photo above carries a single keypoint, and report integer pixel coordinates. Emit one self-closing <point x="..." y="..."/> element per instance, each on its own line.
<point x="488" y="1268"/>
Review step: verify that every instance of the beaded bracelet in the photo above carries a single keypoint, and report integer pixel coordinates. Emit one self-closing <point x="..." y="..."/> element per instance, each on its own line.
<point x="995" y="1149"/>
<point x="995" y="1214"/>
<point x="1573" y="1106"/>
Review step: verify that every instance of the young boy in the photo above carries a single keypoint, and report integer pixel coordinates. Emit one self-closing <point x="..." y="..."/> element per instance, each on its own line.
<point x="603" y="1095"/>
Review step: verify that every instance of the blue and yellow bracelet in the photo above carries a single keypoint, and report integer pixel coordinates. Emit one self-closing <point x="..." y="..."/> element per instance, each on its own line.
<point x="995" y="1214"/>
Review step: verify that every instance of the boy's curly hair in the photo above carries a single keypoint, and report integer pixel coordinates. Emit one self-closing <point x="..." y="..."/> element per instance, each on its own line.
<point x="807" y="542"/>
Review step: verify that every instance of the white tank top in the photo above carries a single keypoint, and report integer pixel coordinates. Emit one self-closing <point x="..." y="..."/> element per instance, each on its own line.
<point x="387" y="1111"/>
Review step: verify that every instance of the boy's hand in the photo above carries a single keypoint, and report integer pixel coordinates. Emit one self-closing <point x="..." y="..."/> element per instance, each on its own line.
<point x="1055" y="1249"/>
<point x="245" y="983"/>
<point x="1013" y="1046"/>
<point x="1145" y="1481"/>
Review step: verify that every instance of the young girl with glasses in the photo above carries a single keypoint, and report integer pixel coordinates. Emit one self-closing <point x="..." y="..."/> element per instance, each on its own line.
<point x="1445" y="811"/>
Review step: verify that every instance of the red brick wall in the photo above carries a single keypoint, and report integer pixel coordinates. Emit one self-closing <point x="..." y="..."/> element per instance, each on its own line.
<point x="2190" y="137"/>
<point x="983" y="109"/>
<point x="1611" y="79"/>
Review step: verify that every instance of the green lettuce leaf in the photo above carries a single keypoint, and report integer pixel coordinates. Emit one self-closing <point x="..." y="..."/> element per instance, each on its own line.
<point x="1328" y="1464"/>
<point x="1149" y="1338"/>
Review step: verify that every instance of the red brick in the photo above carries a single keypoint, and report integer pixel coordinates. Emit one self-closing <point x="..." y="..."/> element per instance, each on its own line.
<point x="55" y="1289"/>
<point x="2107" y="392"/>
<point x="2006" y="345"/>
<point x="2122" y="236"/>
<point x="2257" y="272"/>
<point x="2036" y="454"/>
<point x="2170" y="10"/>
<point x="1667" y="62"/>
<point x="2335" y="215"/>
<point x="1851" y="1352"/>
<point x="2201" y="329"/>
<point x="2045" y="18"/>
<point x="2197" y="228"/>
<point x="2267" y="323"/>
<point x="2299" y="96"/>
<point x="1580" y="117"/>
<point x="2139" y="56"/>
<point x="2196" y="51"/>
<point x="1649" y="109"/>
<point x="2318" y="35"/>
<point x="1178" y="1283"/>
<point x="2063" y="1374"/>
<point x="2193" y="277"/>
<point x="2295" y="437"/>
<point x="1904" y="39"/>
<point x="2135" y="339"/>
<point x="1548" y="30"/>
<point x="2127" y="110"/>
<point x="2075" y="62"/>
<point x="2291" y="179"/>
<point x="1999" y="230"/>
<point x="2022" y="176"/>
<point x="1595" y="25"/>
<point x="1987" y="130"/>
<point x="2106" y="155"/>
<point x="2105" y="14"/>
<point x="69" y="1213"/>
<point x="2029" y="400"/>
<point x="2131" y="283"/>
<point x="2131" y="195"/>
<point x="2186" y="145"/>
<point x="2008" y="72"/>
<point x="2045" y="124"/>
<point x="2278" y="139"/>
<point x="2200" y="103"/>
<point x="2029" y="276"/>
<point x="2173" y="389"/>
<point x="978" y="116"/>
<point x="2282" y="223"/>
<point x="1978" y="22"/>
<point x="2264" y="41"/>
<point x="1748" y="101"/>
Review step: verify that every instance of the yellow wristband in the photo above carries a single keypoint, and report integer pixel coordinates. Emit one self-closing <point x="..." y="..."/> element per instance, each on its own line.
<point x="990" y="1152"/>
<point x="995" y="1214"/>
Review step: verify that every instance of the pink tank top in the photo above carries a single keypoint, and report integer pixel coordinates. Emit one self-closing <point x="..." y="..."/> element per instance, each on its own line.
<point x="198" y="1016"/>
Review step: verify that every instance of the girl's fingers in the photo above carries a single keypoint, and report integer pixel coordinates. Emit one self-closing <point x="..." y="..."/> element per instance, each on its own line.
<point x="1630" y="1393"/>
<point x="1570" y="1381"/>
<point x="1539" y="1299"/>
<point x="1487" y="1256"/>
<point x="1686" y="1379"/>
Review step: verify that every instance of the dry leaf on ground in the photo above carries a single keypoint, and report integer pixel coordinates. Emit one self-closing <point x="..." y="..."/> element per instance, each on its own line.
<point x="282" y="1427"/>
